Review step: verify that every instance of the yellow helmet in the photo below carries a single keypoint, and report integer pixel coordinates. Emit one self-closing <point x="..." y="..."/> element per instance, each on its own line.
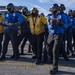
<point x="34" y="9"/>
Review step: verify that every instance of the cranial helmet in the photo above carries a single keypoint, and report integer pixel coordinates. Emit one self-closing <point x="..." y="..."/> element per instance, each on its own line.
<point x="34" y="10"/>
<point x="10" y="7"/>
<point x="62" y="6"/>
<point x="25" y="9"/>
<point x="54" y="5"/>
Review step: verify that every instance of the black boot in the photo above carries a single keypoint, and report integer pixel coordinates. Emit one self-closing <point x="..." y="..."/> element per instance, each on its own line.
<point x="73" y="54"/>
<point x="44" y="60"/>
<point x="53" y="70"/>
<point x="29" y="49"/>
<point x="34" y="56"/>
<point x="2" y="57"/>
<point x="12" y="56"/>
<point x="66" y="58"/>
<point x="38" y="62"/>
<point x="50" y="62"/>
<point x="16" y="58"/>
<point x="22" y="53"/>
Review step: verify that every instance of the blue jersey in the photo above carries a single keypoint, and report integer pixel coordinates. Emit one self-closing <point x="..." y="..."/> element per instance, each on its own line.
<point x="70" y="22"/>
<point x="73" y="23"/>
<point x="45" y="26"/>
<point x="57" y="29"/>
<point x="13" y="17"/>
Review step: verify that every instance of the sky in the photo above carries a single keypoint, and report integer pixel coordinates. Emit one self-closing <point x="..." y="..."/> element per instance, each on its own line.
<point x="42" y="5"/>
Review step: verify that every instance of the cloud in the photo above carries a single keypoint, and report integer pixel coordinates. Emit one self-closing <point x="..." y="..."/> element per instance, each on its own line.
<point x="68" y="3"/>
<point x="3" y="2"/>
<point x="43" y="1"/>
<point x="42" y="10"/>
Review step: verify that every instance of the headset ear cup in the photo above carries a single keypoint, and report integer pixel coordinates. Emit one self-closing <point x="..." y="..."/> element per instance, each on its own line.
<point x="30" y="12"/>
<point x="64" y="8"/>
<point x="50" y="9"/>
<point x="37" y="11"/>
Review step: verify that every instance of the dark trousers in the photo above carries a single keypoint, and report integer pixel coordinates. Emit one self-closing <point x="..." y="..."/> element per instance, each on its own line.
<point x="37" y="44"/>
<point x="10" y="35"/>
<point x="1" y="39"/>
<point x="24" y="42"/>
<point x="62" y="49"/>
<point x="64" y="39"/>
<point x="45" y="56"/>
<point x="69" y="42"/>
<point x="73" y="37"/>
<point x="53" y="46"/>
<point x="24" y="37"/>
<point x="21" y="37"/>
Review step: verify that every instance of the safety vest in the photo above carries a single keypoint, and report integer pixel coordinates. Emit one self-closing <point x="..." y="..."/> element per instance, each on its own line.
<point x="1" y="27"/>
<point x="37" y="24"/>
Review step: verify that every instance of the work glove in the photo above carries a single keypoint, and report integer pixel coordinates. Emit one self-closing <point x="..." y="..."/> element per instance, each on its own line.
<point x="0" y="23"/>
<point x="70" y="26"/>
<point x="53" y="22"/>
<point x="60" y="23"/>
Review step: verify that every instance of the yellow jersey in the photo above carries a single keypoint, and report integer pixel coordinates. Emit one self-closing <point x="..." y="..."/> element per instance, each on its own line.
<point x="37" y="24"/>
<point x="1" y="27"/>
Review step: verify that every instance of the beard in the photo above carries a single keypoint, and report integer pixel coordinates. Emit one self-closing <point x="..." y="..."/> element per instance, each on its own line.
<point x="34" y="14"/>
<point x="24" y="13"/>
<point x="9" y="9"/>
<point x="54" y="12"/>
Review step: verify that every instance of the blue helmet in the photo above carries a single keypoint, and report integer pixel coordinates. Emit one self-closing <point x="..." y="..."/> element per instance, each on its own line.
<point x="70" y="10"/>
<point x="25" y="9"/>
<point x="54" y="5"/>
<point x="73" y="13"/>
<point x="10" y="5"/>
<point x="62" y="6"/>
<point x="42" y="14"/>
